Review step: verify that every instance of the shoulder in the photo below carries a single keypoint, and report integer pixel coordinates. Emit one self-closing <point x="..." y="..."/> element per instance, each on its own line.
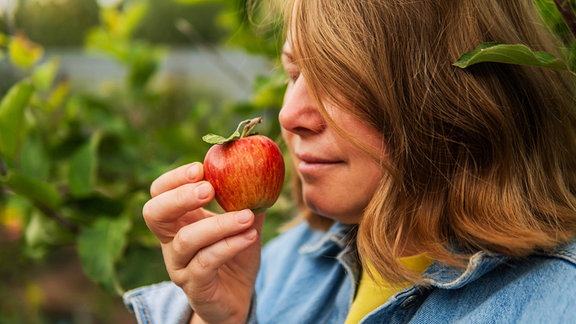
<point x="535" y="289"/>
<point x="554" y="270"/>
<point x="540" y="279"/>
<point x="551" y="271"/>
<point x="544" y="286"/>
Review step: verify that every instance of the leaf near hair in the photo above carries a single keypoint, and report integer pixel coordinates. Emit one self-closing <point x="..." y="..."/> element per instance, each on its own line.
<point x="518" y="54"/>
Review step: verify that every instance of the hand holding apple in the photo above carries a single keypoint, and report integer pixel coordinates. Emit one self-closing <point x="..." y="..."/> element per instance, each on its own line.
<point x="246" y="170"/>
<point x="202" y="250"/>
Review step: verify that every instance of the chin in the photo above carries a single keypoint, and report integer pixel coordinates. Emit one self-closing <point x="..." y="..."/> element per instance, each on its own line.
<point x="332" y="212"/>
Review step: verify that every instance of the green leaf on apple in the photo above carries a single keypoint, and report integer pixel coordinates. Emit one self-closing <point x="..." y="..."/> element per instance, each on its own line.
<point x="245" y="128"/>
<point x="217" y="139"/>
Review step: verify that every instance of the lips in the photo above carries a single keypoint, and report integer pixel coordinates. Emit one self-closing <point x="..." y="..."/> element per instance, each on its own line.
<point x="311" y="164"/>
<point x="307" y="158"/>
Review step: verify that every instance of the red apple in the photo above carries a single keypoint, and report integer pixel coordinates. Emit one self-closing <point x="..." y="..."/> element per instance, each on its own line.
<point x="246" y="170"/>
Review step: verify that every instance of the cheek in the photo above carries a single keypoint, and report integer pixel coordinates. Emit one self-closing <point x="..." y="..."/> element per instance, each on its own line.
<point x="345" y="194"/>
<point x="288" y="139"/>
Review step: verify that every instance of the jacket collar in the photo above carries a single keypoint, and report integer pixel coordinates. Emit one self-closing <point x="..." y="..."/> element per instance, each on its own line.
<point x="449" y="277"/>
<point x="565" y="252"/>
<point x="446" y="277"/>
<point x="330" y="243"/>
<point x="336" y="242"/>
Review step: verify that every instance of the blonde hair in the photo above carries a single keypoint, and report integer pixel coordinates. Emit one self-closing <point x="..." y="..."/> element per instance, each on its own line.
<point x="477" y="159"/>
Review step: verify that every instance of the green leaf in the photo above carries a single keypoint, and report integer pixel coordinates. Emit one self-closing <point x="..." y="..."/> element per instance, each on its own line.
<point x="143" y="67"/>
<point x="245" y="128"/>
<point x="23" y="52"/>
<point x="37" y="191"/>
<point x="509" y="54"/>
<point x="129" y="269"/>
<point x="36" y="237"/>
<point x="133" y="13"/>
<point x="44" y="74"/>
<point x="12" y="121"/>
<point x="42" y="234"/>
<point x="121" y="24"/>
<point x="57" y="96"/>
<point x="83" y="168"/>
<point x="217" y="139"/>
<point x="34" y="161"/>
<point x="100" y="246"/>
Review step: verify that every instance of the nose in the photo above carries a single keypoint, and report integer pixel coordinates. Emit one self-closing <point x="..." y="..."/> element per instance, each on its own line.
<point x="299" y="113"/>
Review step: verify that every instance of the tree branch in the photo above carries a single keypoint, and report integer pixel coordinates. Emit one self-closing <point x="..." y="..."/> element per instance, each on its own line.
<point x="66" y="224"/>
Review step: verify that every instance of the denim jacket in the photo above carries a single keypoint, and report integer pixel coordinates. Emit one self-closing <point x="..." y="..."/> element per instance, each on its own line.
<point x="309" y="276"/>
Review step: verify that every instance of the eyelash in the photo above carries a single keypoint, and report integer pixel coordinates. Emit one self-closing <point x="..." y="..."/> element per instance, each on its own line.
<point x="291" y="69"/>
<point x="293" y="76"/>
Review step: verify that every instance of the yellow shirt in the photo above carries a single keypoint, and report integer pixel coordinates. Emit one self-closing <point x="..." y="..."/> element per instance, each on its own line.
<point x="373" y="293"/>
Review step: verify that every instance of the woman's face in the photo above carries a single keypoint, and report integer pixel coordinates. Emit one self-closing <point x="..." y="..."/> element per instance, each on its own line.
<point x="338" y="178"/>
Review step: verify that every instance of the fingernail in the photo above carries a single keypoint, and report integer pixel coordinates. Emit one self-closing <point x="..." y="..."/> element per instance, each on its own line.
<point x="251" y="234"/>
<point x="243" y="216"/>
<point x="203" y="191"/>
<point x="193" y="171"/>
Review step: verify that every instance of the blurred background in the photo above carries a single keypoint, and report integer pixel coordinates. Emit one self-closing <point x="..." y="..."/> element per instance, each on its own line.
<point x="97" y="99"/>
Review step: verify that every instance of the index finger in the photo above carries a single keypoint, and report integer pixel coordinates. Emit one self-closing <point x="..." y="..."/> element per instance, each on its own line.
<point x="172" y="179"/>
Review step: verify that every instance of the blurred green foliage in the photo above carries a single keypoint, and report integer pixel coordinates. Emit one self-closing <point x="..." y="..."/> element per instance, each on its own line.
<point x="158" y="25"/>
<point x="76" y="165"/>
<point x="57" y="23"/>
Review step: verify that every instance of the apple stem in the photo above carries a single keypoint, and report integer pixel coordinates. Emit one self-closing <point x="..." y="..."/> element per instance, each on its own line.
<point x="244" y="129"/>
<point x="248" y="126"/>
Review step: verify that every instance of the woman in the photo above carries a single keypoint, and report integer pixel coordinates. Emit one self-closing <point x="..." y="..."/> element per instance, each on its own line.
<point x="428" y="193"/>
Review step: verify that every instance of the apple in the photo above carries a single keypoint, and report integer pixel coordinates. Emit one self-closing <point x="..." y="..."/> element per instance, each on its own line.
<point x="245" y="169"/>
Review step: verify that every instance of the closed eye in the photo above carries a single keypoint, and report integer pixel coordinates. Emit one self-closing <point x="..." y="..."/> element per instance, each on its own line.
<point x="291" y="68"/>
